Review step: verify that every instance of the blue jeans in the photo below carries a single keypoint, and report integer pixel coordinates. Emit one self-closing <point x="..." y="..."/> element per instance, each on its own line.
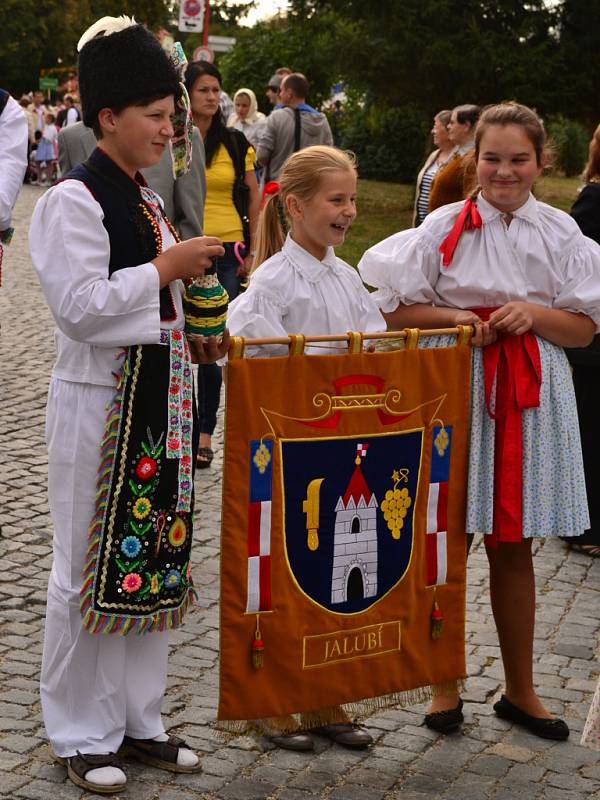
<point x="209" y="375"/>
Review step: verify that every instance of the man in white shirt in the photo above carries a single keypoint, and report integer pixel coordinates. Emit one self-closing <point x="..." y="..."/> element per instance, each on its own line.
<point x="36" y="112"/>
<point x="72" y="115"/>
<point x="13" y="161"/>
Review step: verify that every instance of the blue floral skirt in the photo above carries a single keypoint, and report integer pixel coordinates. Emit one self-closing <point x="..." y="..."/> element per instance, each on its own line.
<point x="554" y="496"/>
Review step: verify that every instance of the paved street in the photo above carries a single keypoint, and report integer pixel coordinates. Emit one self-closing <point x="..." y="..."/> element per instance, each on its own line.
<point x="489" y="758"/>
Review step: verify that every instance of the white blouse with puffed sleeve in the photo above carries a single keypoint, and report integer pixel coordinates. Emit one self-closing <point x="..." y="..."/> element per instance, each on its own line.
<point x="540" y="257"/>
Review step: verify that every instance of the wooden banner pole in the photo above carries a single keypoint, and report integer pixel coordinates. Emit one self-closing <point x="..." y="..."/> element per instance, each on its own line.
<point x="343" y="337"/>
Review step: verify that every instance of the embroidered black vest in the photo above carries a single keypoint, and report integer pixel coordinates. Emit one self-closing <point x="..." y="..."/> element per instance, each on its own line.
<point x="137" y="574"/>
<point x="130" y="233"/>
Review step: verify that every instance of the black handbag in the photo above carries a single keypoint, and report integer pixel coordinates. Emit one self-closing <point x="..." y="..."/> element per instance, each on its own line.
<point x="241" y="192"/>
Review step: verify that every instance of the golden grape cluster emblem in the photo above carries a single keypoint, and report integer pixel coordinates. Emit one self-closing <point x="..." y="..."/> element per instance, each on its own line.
<point x="441" y="442"/>
<point x="261" y="458"/>
<point x="396" y="503"/>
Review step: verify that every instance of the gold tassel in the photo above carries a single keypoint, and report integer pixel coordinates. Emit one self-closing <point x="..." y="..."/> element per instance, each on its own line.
<point x="258" y="647"/>
<point x="437" y="620"/>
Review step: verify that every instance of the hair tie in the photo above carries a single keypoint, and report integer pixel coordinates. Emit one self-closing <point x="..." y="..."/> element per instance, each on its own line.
<point x="270" y="187"/>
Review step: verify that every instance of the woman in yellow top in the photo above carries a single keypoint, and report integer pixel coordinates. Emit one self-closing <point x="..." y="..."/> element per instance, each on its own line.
<point x="230" y="213"/>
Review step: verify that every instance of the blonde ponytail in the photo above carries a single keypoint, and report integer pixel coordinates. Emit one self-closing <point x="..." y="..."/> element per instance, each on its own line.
<point x="270" y="234"/>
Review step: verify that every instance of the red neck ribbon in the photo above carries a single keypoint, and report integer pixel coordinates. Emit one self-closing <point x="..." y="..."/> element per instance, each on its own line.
<point x="514" y="364"/>
<point x="468" y="219"/>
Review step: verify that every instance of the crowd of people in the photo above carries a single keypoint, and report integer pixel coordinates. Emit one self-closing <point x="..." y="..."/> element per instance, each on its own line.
<point x="44" y="120"/>
<point x="46" y="117"/>
<point x="483" y="252"/>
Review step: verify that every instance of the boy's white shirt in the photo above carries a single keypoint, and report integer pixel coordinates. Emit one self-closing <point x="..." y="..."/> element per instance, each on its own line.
<point x="294" y="292"/>
<point x="96" y="315"/>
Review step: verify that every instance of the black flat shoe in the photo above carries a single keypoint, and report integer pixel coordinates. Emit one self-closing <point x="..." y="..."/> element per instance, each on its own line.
<point x="297" y="740"/>
<point x="556" y="729"/>
<point x="446" y="721"/>
<point x="347" y="734"/>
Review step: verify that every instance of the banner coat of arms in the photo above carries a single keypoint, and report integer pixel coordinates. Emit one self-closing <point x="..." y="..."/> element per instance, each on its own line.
<point x="343" y="545"/>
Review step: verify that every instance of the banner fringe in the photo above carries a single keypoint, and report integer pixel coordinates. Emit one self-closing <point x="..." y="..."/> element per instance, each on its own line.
<point x="359" y="709"/>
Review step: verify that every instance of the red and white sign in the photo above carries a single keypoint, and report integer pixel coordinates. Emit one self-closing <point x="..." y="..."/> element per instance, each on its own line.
<point x="191" y="16"/>
<point x="203" y="53"/>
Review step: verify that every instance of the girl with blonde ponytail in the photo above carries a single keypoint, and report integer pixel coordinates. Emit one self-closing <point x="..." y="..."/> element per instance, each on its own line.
<point x="298" y="284"/>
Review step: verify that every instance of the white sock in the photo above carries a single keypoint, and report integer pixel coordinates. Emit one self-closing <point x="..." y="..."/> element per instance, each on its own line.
<point x="185" y="757"/>
<point x="106" y="776"/>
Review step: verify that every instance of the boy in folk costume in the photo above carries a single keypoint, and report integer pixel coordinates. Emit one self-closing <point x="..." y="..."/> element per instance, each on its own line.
<point x="120" y="488"/>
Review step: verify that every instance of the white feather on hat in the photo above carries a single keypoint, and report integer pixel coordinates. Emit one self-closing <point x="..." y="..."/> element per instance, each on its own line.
<point x="105" y="27"/>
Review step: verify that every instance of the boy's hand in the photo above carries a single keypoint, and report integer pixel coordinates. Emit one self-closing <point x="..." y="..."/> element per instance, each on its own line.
<point x="187" y="259"/>
<point x="209" y="350"/>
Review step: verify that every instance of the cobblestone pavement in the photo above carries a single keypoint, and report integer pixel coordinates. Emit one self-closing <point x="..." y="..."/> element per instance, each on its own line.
<point x="489" y="758"/>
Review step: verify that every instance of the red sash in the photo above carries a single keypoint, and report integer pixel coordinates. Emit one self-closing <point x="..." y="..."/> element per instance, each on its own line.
<point x="514" y="363"/>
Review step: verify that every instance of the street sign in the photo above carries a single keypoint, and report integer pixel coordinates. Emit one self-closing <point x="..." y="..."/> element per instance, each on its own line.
<point x="203" y="54"/>
<point x="191" y="16"/>
<point x="221" y="39"/>
<point x="48" y="83"/>
<point x="221" y="44"/>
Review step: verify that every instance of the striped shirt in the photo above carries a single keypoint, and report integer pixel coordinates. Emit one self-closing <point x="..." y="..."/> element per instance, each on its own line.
<point x="424" y="190"/>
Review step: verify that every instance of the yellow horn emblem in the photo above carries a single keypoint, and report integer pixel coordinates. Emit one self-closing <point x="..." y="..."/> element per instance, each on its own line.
<point x="310" y="507"/>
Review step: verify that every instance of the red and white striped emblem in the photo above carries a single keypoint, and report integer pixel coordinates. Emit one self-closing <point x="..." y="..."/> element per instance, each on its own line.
<point x="435" y="539"/>
<point x="258" y="596"/>
<point x="259" y="554"/>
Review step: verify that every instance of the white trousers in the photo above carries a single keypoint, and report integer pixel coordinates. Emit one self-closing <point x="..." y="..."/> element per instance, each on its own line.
<point x="94" y="687"/>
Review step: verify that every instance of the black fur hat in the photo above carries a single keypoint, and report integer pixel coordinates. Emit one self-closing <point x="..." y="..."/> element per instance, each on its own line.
<point x="122" y="64"/>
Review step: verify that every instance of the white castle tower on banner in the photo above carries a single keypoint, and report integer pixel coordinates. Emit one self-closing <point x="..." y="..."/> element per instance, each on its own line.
<point x="355" y="539"/>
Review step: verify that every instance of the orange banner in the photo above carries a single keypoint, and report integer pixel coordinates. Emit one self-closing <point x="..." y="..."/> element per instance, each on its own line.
<point x="343" y="545"/>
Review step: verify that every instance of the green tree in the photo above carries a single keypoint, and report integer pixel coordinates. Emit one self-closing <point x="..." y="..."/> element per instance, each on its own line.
<point x="226" y="14"/>
<point x="304" y="46"/>
<point x="438" y="53"/>
<point x="34" y="35"/>
<point x="153" y="13"/>
<point x="37" y="35"/>
<point x="569" y="143"/>
<point x="577" y="81"/>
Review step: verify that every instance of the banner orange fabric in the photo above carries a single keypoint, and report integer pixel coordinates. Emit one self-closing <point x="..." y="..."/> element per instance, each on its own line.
<point x="343" y="545"/>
